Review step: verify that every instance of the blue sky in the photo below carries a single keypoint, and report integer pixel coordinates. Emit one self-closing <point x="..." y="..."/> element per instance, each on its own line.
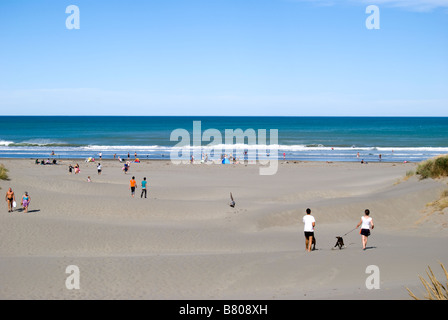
<point x="224" y="57"/>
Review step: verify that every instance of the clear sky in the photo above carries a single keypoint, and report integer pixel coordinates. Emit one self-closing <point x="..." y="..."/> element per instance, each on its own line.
<point x="224" y="57"/>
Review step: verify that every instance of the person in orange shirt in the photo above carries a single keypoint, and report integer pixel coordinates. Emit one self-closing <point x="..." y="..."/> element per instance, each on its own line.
<point x="132" y="186"/>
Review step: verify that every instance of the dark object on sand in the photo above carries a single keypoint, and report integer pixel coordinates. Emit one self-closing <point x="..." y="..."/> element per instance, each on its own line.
<point x="339" y="243"/>
<point x="232" y="202"/>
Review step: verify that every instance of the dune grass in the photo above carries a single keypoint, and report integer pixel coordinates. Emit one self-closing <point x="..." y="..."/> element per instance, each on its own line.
<point x="433" y="168"/>
<point x="440" y="204"/>
<point x="435" y="290"/>
<point x="3" y="173"/>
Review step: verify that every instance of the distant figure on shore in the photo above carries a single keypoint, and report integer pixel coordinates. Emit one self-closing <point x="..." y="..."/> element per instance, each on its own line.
<point x="88" y="179"/>
<point x="26" y="199"/>
<point x="366" y="224"/>
<point x="99" y="168"/>
<point x="70" y="169"/>
<point x="309" y="224"/>
<point x="379" y="156"/>
<point x="143" y="187"/>
<point x="132" y="186"/>
<point x="77" y="170"/>
<point x="10" y="198"/>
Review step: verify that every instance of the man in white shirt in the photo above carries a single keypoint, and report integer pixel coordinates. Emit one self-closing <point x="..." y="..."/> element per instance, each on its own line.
<point x="310" y="223"/>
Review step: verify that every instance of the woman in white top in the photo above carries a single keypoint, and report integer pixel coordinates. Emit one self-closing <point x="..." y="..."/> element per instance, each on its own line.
<point x="366" y="224"/>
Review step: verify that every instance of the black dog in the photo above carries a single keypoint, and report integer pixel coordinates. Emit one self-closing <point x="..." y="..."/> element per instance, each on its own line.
<point x="314" y="243"/>
<point x="339" y="243"/>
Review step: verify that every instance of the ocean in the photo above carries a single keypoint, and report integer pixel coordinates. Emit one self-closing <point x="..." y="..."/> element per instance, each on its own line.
<point x="396" y="139"/>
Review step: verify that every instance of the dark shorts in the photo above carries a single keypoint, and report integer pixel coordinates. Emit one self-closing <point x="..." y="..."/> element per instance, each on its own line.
<point x="309" y="234"/>
<point x="365" y="232"/>
<point x="132" y="189"/>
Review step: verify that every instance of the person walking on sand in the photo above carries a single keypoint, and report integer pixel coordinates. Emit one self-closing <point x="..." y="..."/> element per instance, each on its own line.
<point x="132" y="186"/>
<point x="143" y="187"/>
<point x="10" y="198"/>
<point x="99" y="168"/>
<point x="26" y="199"/>
<point x="309" y="224"/>
<point x="366" y="224"/>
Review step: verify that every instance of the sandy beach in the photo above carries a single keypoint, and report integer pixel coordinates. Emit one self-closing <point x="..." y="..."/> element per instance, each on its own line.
<point x="185" y="242"/>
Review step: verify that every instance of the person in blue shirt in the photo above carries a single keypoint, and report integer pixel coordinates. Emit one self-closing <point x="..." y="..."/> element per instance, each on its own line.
<point x="143" y="187"/>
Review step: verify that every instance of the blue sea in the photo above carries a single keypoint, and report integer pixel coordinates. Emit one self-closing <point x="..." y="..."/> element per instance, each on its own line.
<point x="396" y="139"/>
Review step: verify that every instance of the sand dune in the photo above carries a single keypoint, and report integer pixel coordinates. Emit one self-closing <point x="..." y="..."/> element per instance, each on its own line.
<point x="185" y="242"/>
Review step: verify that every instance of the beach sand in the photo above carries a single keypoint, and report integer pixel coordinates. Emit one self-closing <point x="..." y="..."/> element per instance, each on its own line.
<point x="186" y="242"/>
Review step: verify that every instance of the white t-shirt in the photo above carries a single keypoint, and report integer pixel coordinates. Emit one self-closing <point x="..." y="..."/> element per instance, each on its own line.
<point x="308" y="221"/>
<point x="366" y="222"/>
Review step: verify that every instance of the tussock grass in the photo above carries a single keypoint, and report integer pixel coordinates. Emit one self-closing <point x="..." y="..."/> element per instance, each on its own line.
<point x="409" y="173"/>
<point x="440" y="204"/>
<point x="435" y="290"/>
<point x="433" y="168"/>
<point x="3" y="173"/>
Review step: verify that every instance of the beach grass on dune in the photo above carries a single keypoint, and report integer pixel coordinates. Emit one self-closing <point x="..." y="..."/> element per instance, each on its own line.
<point x="3" y="172"/>
<point x="433" y="168"/>
<point x="435" y="290"/>
<point x="440" y="204"/>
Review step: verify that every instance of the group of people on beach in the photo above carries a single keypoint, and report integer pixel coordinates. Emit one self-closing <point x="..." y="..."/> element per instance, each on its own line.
<point x="10" y="198"/>
<point x="309" y="222"/>
<point x="133" y="186"/>
<point x="74" y="168"/>
<point x="46" y="162"/>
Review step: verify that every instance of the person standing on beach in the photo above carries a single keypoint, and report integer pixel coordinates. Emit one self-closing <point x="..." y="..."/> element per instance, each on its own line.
<point x="26" y="199"/>
<point x="99" y="168"/>
<point x="132" y="186"/>
<point x="143" y="187"/>
<point x="366" y="224"/>
<point x="10" y="198"/>
<point x="309" y="224"/>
